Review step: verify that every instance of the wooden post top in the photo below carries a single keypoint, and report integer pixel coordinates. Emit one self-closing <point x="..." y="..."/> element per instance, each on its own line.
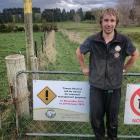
<point x="14" y="57"/>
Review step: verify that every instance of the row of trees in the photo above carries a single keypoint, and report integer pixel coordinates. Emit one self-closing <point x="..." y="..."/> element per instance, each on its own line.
<point x="129" y="11"/>
<point x="16" y="15"/>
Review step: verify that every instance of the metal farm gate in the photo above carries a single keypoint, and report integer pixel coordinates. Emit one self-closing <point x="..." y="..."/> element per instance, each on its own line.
<point x="77" y="130"/>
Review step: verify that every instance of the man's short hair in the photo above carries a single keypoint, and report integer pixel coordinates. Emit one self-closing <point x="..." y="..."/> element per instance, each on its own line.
<point x="109" y="11"/>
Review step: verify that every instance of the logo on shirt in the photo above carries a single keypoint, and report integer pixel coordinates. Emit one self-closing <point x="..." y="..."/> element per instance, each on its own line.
<point x="117" y="50"/>
<point x="116" y="54"/>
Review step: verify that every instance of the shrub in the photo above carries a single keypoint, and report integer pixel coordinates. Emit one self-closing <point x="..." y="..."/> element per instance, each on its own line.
<point x="10" y="28"/>
<point x="36" y="28"/>
<point x="49" y="26"/>
<point x="2" y="28"/>
<point x="20" y="29"/>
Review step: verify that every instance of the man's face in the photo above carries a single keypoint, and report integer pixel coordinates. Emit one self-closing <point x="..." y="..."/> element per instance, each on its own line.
<point x="108" y="23"/>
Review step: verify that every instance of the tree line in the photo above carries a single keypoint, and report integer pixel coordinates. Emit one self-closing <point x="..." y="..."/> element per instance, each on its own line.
<point x="16" y="15"/>
<point x="129" y="13"/>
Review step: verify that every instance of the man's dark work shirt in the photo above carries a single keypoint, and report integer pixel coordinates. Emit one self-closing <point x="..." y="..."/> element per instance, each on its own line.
<point x="107" y="60"/>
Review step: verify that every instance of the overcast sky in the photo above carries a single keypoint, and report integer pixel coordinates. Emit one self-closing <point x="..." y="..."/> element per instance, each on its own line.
<point x="67" y="4"/>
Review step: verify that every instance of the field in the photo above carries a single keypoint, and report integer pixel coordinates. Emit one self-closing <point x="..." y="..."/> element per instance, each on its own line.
<point x="11" y="43"/>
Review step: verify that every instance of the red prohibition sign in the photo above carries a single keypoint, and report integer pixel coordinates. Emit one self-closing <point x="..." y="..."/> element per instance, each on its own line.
<point x="136" y="93"/>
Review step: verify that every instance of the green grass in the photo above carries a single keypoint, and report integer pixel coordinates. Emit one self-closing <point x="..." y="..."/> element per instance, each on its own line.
<point x="86" y="29"/>
<point x="65" y="60"/>
<point x="90" y="27"/>
<point x="129" y="29"/>
<point x="10" y="43"/>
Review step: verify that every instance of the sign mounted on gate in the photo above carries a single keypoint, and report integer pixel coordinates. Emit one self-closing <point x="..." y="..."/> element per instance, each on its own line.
<point x="61" y="100"/>
<point x="132" y="104"/>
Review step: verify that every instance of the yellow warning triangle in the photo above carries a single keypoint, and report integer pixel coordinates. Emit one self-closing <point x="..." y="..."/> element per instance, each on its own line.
<point x="46" y="95"/>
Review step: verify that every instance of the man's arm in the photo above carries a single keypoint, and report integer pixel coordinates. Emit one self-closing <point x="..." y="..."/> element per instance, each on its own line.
<point x="131" y="60"/>
<point x="81" y="60"/>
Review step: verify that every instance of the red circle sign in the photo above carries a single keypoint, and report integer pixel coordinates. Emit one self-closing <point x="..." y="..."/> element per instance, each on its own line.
<point x="136" y="93"/>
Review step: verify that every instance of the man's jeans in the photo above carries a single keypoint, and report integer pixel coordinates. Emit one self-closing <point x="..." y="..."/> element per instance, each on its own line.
<point x="104" y="103"/>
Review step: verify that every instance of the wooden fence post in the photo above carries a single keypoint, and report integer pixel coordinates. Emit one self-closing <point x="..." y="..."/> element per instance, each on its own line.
<point x="14" y="64"/>
<point x="42" y="44"/>
<point x="34" y="61"/>
<point x="35" y="48"/>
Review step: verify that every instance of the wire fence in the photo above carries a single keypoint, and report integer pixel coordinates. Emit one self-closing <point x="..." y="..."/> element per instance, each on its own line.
<point x="29" y="127"/>
<point x="13" y="127"/>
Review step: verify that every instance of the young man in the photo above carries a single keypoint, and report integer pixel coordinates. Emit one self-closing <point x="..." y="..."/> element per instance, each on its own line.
<point x="108" y="50"/>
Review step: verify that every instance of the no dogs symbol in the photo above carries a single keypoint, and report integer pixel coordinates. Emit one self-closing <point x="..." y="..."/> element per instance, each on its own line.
<point x="135" y="102"/>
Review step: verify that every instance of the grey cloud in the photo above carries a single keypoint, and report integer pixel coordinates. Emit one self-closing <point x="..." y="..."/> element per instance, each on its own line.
<point x="67" y="4"/>
<point x="93" y="2"/>
<point x="88" y="4"/>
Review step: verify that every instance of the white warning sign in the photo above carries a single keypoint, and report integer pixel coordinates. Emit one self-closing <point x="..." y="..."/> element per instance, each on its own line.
<point x="61" y="100"/>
